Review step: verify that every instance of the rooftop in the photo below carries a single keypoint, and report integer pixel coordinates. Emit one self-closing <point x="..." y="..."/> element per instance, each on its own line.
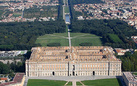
<point x="130" y="77"/>
<point x="17" y="79"/>
<point x="88" y="53"/>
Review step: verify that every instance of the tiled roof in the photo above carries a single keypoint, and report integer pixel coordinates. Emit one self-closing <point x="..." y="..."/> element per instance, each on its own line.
<point x="88" y="53"/>
<point x="17" y="79"/>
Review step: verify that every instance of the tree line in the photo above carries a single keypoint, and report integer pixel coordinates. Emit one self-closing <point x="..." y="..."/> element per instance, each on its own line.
<point x="60" y="10"/>
<point x="129" y="61"/>
<point x="86" y="1"/>
<point x="23" y="35"/>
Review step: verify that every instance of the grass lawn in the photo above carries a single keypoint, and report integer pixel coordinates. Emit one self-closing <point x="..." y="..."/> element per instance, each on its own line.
<point x="102" y="82"/>
<point x="66" y="9"/>
<point x="53" y="38"/>
<point x="114" y="38"/>
<point x="38" y="82"/>
<point x="135" y="73"/>
<point x="78" y="38"/>
<point x="69" y="83"/>
<point x="78" y="83"/>
<point x="17" y="14"/>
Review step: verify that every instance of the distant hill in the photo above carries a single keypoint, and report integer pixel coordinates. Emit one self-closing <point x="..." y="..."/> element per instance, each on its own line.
<point x="85" y="1"/>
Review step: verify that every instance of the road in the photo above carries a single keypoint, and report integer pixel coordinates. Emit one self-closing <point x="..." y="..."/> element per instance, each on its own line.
<point x="22" y="12"/>
<point x="69" y="37"/>
<point x="74" y="83"/>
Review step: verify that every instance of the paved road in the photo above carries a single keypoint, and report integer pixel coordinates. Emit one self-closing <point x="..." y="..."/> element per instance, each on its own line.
<point x="74" y="83"/>
<point x="63" y="12"/>
<point x="22" y="12"/>
<point x="69" y="37"/>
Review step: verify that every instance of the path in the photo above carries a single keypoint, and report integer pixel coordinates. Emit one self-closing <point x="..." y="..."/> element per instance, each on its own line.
<point x="66" y="83"/>
<point x="69" y="37"/>
<point x="22" y="12"/>
<point x="74" y="83"/>
<point x="82" y="83"/>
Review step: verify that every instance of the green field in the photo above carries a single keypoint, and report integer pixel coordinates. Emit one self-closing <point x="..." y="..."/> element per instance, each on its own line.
<point x="43" y="11"/>
<point x="78" y="38"/>
<point x="102" y="82"/>
<point x="53" y="38"/>
<point x="114" y="38"/>
<point x="66" y="9"/>
<point x="135" y="73"/>
<point x="17" y="14"/>
<point x="69" y="84"/>
<point x="38" y="82"/>
<point x="78" y="83"/>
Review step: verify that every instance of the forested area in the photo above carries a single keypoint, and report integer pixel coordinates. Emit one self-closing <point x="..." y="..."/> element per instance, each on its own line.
<point x="115" y="33"/>
<point x="129" y="61"/>
<point x="23" y="35"/>
<point x="11" y="68"/>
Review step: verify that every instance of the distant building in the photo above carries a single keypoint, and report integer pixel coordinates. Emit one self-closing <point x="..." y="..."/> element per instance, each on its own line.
<point x="12" y="53"/>
<point x="4" y="79"/>
<point x="80" y="18"/>
<point x="73" y="61"/>
<point x="17" y="81"/>
<point x="134" y="38"/>
<point x="129" y="79"/>
<point x="121" y="51"/>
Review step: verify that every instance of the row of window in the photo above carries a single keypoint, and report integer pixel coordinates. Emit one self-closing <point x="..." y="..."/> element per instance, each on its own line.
<point x="46" y="66"/>
<point x="37" y="69"/>
<point x="48" y="74"/>
<point x="93" y="68"/>
<point x="99" y="65"/>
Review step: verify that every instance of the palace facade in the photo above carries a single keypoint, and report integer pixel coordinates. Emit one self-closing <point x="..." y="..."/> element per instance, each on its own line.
<point x="73" y="61"/>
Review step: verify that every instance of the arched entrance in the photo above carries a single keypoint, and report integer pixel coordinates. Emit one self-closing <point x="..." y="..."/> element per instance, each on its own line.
<point x="93" y="72"/>
<point x="53" y="73"/>
<point x="73" y="73"/>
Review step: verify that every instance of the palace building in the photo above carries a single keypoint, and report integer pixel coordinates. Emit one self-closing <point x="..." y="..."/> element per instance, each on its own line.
<point x="73" y="61"/>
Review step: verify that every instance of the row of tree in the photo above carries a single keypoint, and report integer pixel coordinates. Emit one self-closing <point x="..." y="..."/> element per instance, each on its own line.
<point x="60" y="10"/>
<point x="86" y="1"/>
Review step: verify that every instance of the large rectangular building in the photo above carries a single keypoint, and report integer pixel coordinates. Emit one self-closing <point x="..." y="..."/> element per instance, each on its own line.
<point x="73" y="61"/>
<point x="129" y="79"/>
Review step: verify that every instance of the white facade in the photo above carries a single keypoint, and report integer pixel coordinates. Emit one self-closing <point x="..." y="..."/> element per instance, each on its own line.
<point x="75" y="61"/>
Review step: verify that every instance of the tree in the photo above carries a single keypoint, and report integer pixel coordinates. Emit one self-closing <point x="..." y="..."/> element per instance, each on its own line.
<point x="4" y="69"/>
